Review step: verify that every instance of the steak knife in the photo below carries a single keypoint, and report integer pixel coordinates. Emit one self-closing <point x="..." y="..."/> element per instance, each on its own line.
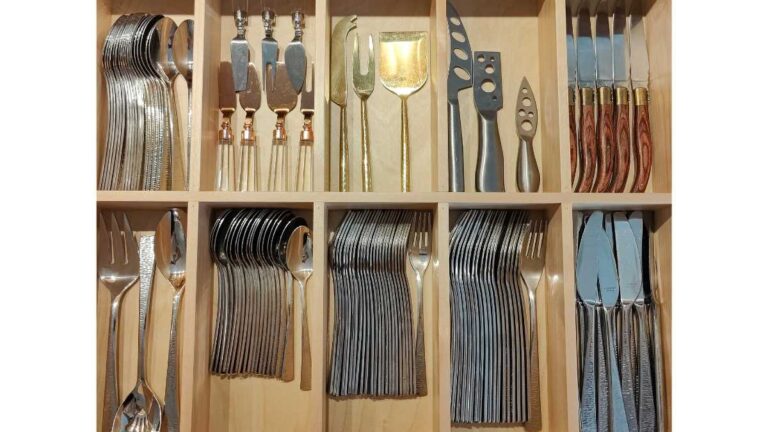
<point x="570" y="50"/>
<point x="587" y="74"/>
<point x="621" y="84"/>
<point x="606" y="147"/>
<point x="643" y="148"/>
<point x="456" y="83"/>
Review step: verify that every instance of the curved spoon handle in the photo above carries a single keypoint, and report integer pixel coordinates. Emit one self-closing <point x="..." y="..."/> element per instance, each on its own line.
<point x="306" y="353"/>
<point x="189" y="134"/>
<point x="109" y="407"/>
<point x="147" y="271"/>
<point x="171" y="377"/>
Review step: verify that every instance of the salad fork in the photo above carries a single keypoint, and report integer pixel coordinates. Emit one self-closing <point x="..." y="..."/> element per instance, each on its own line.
<point x="419" y="256"/>
<point x="118" y="268"/>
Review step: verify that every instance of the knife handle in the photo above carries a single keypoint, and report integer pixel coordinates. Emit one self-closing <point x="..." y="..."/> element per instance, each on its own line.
<point x="277" y="168"/>
<point x="528" y="177"/>
<point x="643" y="144"/>
<point x="588" y="140"/>
<point x="627" y="365"/>
<point x="588" y="404"/>
<point x="455" y="149"/>
<point x="367" y="169"/>
<point x="343" y="151"/>
<point x="572" y="131"/>
<point x="622" y="139"/>
<point x="646" y="400"/>
<point x="606" y="147"/>
<point x="225" y="178"/>
<point x="658" y="367"/>
<point x="304" y="172"/>
<point x="489" y="175"/>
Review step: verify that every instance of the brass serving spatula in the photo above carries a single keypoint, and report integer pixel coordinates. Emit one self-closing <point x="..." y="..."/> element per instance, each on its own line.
<point x="281" y="98"/>
<point x="404" y="69"/>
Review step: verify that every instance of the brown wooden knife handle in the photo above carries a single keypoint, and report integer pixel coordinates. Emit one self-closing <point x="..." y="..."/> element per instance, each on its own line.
<point x="606" y="147"/>
<point x="643" y="144"/>
<point x="588" y="140"/>
<point x="572" y="132"/>
<point x="622" y="139"/>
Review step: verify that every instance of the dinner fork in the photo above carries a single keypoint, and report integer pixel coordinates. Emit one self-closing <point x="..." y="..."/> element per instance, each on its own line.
<point x="531" y="268"/>
<point x="419" y="256"/>
<point x="118" y="268"/>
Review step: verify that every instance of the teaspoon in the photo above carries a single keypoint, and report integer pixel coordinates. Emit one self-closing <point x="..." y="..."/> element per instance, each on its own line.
<point x="183" y="41"/>
<point x="299" y="258"/>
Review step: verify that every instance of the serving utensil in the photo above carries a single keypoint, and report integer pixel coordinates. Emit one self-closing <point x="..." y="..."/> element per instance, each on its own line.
<point x="183" y="41"/>
<point x="364" y="85"/>
<point x="171" y="253"/>
<point x="240" y="51"/>
<point x="225" y="156"/>
<point x="419" y="254"/>
<point x="141" y="410"/>
<point x="459" y="78"/>
<point x="118" y="268"/>
<point x="527" y="119"/>
<point x="339" y="91"/>
<point x="250" y="101"/>
<point x="304" y="179"/>
<point x="295" y="55"/>
<point x="587" y="73"/>
<point x="404" y="69"/>
<point x="281" y="98"/>
<point x="299" y="260"/>
<point x="269" y="47"/>
<point x="489" y="99"/>
<point x="643" y="147"/>
<point x="621" y="76"/>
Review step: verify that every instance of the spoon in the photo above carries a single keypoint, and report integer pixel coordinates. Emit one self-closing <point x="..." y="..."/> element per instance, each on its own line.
<point x="183" y="41"/>
<point x="162" y="58"/>
<point x="141" y="410"/>
<point x="170" y="251"/>
<point x="299" y="258"/>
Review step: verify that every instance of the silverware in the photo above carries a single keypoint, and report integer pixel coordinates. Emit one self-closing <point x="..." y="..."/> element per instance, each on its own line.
<point x="304" y="180"/>
<point x="240" y="51"/>
<point x="606" y="146"/>
<point x="225" y="156"/>
<point x="643" y="145"/>
<point x="295" y="55"/>
<point x="269" y="47"/>
<point x="250" y="101"/>
<point x="339" y="91"/>
<point x="459" y="78"/>
<point x="489" y="174"/>
<point x="281" y="99"/>
<point x="587" y="74"/>
<point x="621" y="77"/>
<point x="183" y="41"/>
<point x="171" y="252"/>
<point x="570" y="51"/>
<point x="141" y="410"/>
<point x="527" y="119"/>
<point x="299" y="260"/>
<point x="165" y="28"/>
<point x="118" y="268"/>
<point x="419" y="254"/>
<point x="364" y="85"/>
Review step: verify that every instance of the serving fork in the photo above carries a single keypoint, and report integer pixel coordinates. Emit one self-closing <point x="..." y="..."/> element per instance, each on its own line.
<point x="118" y="268"/>
<point x="532" y="256"/>
<point x="419" y="250"/>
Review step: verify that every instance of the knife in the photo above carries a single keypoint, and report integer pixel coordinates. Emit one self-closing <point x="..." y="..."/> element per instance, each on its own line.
<point x="295" y="55"/>
<point x="587" y="74"/>
<point x="250" y="101"/>
<point x="606" y="147"/>
<point x="456" y="83"/>
<point x="225" y="158"/>
<point x="339" y="91"/>
<point x="621" y="83"/>
<point x="570" y="50"/>
<point x="609" y="293"/>
<point x="643" y="148"/>
<point x="630" y="286"/>
<point x="269" y="48"/>
<point x="307" y="139"/>
<point x="239" y="50"/>
<point x="655" y="323"/>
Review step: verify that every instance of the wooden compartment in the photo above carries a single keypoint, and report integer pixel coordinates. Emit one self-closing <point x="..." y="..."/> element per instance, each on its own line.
<point x="384" y="106"/>
<point x="523" y="32"/>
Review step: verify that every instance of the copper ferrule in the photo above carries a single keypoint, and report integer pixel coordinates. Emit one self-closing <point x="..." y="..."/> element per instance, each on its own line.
<point x="605" y="95"/>
<point x="225" y="133"/>
<point x="279" y="134"/>
<point x="622" y="96"/>
<point x="307" y="134"/>
<point x="248" y="135"/>
<point x="571" y="96"/>
<point x="587" y="96"/>
<point x="641" y="96"/>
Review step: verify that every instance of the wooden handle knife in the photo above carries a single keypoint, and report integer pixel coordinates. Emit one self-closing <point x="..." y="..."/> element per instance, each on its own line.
<point x="643" y="148"/>
<point x="588" y="140"/>
<point x="606" y="146"/>
<point x="622" y="139"/>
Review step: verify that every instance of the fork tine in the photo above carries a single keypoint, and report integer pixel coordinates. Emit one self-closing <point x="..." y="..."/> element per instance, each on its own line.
<point x="428" y="230"/>
<point x="371" y="55"/>
<point x="542" y="236"/>
<point x="103" y="243"/>
<point x="118" y="245"/>
<point x="131" y="247"/>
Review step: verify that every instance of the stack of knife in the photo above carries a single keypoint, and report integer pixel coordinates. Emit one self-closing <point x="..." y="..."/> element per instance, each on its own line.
<point x="621" y="378"/>
<point x="609" y="75"/>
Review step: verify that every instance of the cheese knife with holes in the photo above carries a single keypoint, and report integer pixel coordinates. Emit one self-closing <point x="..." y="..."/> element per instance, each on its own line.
<point x="489" y="175"/>
<point x="527" y="115"/>
<point x="459" y="78"/>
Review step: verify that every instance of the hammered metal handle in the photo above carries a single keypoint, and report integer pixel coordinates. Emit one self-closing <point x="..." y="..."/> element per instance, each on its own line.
<point x="171" y="378"/>
<point x="618" y="413"/>
<point x="421" y="365"/>
<point x="367" y="169"/>
<point x="588" y="406"/>
<point x="109" y="408"/>
<point x="647" y="411"/>
<point x="627" y="370"/>
<point x="603" y="385"/>
<point x="343" y="151"/>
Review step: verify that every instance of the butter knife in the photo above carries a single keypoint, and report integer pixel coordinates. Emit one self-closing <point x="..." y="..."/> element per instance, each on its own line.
<point x="239" y="49"/>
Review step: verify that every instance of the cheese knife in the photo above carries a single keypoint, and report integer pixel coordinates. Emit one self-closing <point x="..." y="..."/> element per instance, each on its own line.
<point x="605" y="147"/>
<point x="489" y="174"/>
<point x="643" y="147"/>
<point x="621" y="84"/>
<point x="295" y="55"/>
<point x="570" y="50"/>
<point x="587" y="77"/>
<point x="459" y="78"/>
<point x="339" y="91"/>
<point x="239" y="49"/>
<point x="269" y="48"/>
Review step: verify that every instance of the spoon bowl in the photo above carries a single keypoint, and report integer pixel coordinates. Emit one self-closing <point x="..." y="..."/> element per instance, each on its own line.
<point x="140" y="411"/>
<point x="183" y="43"/>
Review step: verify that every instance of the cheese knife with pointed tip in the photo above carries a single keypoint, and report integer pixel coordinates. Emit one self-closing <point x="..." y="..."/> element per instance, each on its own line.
<point x="269" y="48"/>
<point x="295" y="55"/>
<point x="570" y="50"/>
<point x="643" y="148"/>
<point x="587" y="76"/>
<point x="621" y="84"/>
<point x="606" y="146"/>
<point x="339" y="91"/>
<point x="527" y="119"/>
<point x="489" y="174"/>
<point x="239" y="49"/>
<point x="461" y="62"/>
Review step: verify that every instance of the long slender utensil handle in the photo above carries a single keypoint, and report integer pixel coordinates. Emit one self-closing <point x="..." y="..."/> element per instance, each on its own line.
<point x="304" y="182"/>
<point x="643" y="143"/>
<point x="647" y="410"/>
<point x="147" y="270"/>
<point x="528" y="176"/>
<point x="622" y="139"/>
<point x="455" y="148"/>
<point x="242" y="181"/>
<point x="588" y="406"/>
<point x="224" y="167"/>
<point x="489" y="176"/>
<point x="603" y="373"/>
<point x="277" y="167"/>
<point x="534" y="390"/>
<point x="405" y="149"/>
<point x="343" y="152"/>
<point x="658" y="358"/>
<point x="572" y="132"/>
<point x="306" y="353"/>
<point x="109" y="408"/>
<point x="171" y="376"/>
<point x="627" y="369"/>
<point x="421" y="364"/>
<point x="288" y="356"/>
<point x="189" y="135"/>
<point x="618" y="413"/>
<point x="588" y="140"/>
<point x="606" y="146"/>
<point x="367" y="168"/>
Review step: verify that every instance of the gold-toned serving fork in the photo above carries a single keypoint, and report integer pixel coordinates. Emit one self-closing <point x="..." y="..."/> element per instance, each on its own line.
<point x="419" y="251"/>
<point x="532" y="259"/>
<point x="118" y="268"/>
<point x="364" y="84"/>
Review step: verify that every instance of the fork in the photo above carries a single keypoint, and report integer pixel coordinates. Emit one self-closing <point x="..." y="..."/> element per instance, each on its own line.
<point x="418" y="257"/>
<point x="118" y="268"/>
<point x="531" y="268"/>
<point x="364" y="85"/>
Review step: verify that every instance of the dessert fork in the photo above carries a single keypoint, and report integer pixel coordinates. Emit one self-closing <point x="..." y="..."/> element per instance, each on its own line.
<point x="419" y="256"/>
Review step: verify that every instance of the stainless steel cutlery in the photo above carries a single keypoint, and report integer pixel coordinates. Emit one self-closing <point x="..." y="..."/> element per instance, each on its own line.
<point x="225" y="153"/>
<point x="364" y="85"/>
<point x="527" y="119"/>
<point x="459" y="78"/>
<point x="295" y="55"/>
<point x="240" y="51"/>
<point x="489" y="99"/>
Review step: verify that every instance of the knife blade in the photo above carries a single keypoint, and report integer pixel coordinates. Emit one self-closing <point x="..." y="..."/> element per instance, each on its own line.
<point x="269" y="47"/>
<point x="570" y="51"/>
<point x="643" y="148"/>
<point x="225" y="177"/>
<point x="240" y="51"/>
<point x="606" y="147"/>
<point x="295" y="55"/>
<point x="339" y="91"/>
<point x="459" y="78"/>
<point x="587" y="77"/>
<point x="621" y="83"/>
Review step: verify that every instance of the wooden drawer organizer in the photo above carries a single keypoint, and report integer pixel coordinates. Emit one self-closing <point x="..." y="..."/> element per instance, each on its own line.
<point x="531" y="36"/>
